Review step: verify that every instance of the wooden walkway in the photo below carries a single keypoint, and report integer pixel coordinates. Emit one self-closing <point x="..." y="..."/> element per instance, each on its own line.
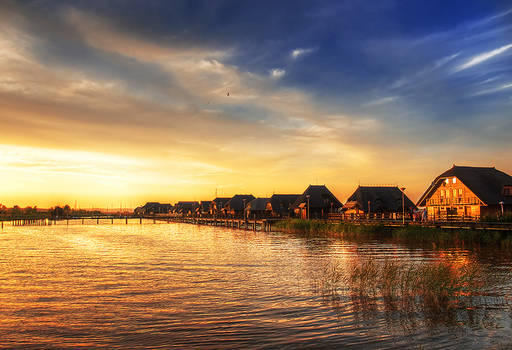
<point x="254" y="225"/>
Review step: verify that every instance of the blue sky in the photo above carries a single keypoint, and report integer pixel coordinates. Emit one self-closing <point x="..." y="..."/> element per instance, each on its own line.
<point x="336" y="92"/>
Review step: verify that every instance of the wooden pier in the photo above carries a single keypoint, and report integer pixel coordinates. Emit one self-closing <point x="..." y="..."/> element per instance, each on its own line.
<point x="248" y="224"/>
<point x="241" y="224"/>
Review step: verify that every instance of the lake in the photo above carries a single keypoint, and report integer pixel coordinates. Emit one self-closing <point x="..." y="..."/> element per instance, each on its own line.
<point x="181" y="285"/>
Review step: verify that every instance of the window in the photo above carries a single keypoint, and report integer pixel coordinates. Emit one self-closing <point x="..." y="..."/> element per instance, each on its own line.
<point x="454" y="180"/>
<point x="507" y="190"/>
<point x="460" y="192"/>
<point x="442" y="193"/>
<point x="447" y="180"/>
<point x="454" y="193"/>
<point x="447" y="193"/>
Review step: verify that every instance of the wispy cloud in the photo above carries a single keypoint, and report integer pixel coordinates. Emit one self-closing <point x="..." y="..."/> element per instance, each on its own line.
<point x="381" y="101"/>
<point x="300" y="52"/>
<point x="482" y="58"/>
<point x="493" y="90"/>
<point x="277" y="73"/>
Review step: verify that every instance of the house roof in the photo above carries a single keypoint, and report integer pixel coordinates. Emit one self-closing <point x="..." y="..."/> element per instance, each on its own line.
<point x="319" y="197"/>
<point x="237" y="201"/>
<point x="154" y="205"/>
<point x="219" y="202"/>
<point x="258" y="204"/>
<point x="381" y="198"/>
<point x="185" y="206"/>
<point x="283" y="202"/>
<point x="485" y="182"/>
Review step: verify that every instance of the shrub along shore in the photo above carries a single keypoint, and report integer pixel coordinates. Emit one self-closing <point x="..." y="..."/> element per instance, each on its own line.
<point x="401" y="234"/>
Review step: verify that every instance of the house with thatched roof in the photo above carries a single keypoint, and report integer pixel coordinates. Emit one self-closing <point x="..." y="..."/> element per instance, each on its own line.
<point x="185" y="208"/>
<point x="316" y="202"/>
<point x="204" y="208"/>
<point x="217" y="206"/>
<point x="466" y="191"/>
<point x="151" y="208"/>
<point x="281" y="204"/>
<point x="258" y="208"/>
<point x="235" y="207"/>
<point x="382" y="201"/>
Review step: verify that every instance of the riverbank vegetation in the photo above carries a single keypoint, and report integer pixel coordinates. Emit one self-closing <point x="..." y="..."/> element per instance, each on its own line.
<point x="438" y="292"/>
<point x="435" y="284"/>
<point x="401" y="234"/>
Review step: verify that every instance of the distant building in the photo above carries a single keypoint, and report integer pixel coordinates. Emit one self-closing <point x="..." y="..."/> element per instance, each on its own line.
<point x="184" y="208"/>
<point x="281" y="204"/>
<point x="383" y="201"/>
<point x="258" y="208"/>
<point x="217" y="206"/>
<point x="236" y="205"/>
<point x="204" y="208"/>
<point x="151" y="208"/>
<point x="318" y="201"/>
<point x="468" y="192"/>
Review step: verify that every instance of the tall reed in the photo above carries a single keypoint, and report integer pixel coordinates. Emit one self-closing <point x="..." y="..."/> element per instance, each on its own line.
<point x="437" y="284"/>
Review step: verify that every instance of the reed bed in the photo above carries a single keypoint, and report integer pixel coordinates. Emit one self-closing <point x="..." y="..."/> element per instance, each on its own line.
<point x="407" y="234"/>
<point x="428" y="285"/>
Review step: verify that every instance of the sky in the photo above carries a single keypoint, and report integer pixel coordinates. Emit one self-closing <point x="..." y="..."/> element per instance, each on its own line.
<point x="115" y="103"/>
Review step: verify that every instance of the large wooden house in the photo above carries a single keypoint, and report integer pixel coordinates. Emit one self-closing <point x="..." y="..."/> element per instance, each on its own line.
<point x="465" y="191"/>
<point x="379" y="201"/>
<point x="316" y="202"/>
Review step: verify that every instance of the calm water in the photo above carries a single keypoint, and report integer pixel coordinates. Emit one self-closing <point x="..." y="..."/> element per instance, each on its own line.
<point x="172" y="285"/>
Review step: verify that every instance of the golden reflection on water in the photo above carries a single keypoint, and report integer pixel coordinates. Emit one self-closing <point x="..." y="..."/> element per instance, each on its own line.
<point x="183" y="285"/>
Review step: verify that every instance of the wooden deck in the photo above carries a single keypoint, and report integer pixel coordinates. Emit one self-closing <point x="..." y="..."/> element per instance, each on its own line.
<point x="254" y="225"/>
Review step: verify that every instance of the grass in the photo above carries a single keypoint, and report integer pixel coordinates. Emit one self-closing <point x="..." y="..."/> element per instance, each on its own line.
<point x="320" y="227"/>
<point x="433" y="285"/>
<point x="507" y="217"/>
<point x="408" y="234"/>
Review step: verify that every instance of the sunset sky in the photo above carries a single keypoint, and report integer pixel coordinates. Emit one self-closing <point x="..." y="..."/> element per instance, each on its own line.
<point x="112" y="103"/>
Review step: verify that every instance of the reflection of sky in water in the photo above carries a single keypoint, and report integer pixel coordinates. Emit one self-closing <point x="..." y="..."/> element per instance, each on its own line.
<point x="183" y="285"/>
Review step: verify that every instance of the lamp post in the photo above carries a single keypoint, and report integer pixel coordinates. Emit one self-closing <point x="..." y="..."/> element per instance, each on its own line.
<point x="501" y="204"/>
<point x="307" y="208"/>
<point x="403" y="205"/>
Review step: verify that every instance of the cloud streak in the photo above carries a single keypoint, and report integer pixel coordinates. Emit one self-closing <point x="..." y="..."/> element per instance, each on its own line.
<point x="478" y="59"/>
<point x="297" y="53"/>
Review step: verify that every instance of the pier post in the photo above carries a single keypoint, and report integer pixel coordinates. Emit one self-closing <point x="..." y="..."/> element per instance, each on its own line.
<point x="2" y="225"/>
<point x="112" y="221"/>
<point x="126" y="220"/>
<point x="97" y="221"/>
<point x="82" y="221"/>
<point x="140" y="221"/>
